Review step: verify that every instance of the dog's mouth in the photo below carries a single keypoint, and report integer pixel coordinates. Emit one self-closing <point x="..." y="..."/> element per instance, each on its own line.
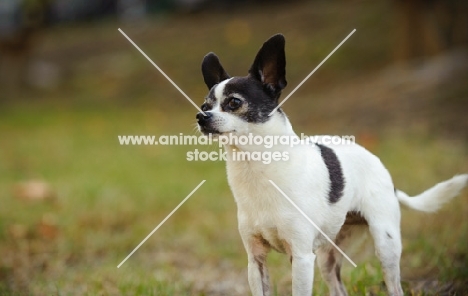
<point x="206" y="130"/>
<point x="214" y="132"/>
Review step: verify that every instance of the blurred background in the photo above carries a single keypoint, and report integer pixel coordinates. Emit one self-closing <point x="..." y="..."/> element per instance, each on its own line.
<point x="74" y="203"/>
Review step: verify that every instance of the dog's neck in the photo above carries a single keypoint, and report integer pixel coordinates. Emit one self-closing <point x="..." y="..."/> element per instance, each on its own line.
<point x="278" y="125"/>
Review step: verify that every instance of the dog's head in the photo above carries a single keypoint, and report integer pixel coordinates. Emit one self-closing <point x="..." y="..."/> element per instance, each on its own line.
<point x="236" y="105"/>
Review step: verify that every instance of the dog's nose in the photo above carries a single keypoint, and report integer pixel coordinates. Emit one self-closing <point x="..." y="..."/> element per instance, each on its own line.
<point x="203" y="118"/>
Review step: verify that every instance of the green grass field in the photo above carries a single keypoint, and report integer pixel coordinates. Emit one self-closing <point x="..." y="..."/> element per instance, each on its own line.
<point x="105" y="198"/>
<point x="109" y="197"/>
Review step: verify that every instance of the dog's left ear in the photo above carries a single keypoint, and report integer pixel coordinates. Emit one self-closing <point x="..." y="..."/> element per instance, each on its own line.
<point x="213" y="72"/>
<point x="269" y="66"/>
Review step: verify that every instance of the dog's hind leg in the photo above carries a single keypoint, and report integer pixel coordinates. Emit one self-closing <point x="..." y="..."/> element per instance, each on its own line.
<point x="384" y="226"/>
<point x="329" y="261"/>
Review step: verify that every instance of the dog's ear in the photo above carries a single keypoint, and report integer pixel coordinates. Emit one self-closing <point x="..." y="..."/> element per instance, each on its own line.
<point x="213" y="72"/>
<point x="269" y="66"/>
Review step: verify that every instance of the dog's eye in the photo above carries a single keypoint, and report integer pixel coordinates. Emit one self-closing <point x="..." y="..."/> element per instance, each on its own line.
<point x="234" y="103"/>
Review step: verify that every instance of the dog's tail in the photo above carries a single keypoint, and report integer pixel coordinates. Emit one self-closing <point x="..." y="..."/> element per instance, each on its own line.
<point x="433" y="198"/>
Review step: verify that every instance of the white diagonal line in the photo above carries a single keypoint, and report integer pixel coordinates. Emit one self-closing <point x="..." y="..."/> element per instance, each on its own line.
<point x="310" y="74"/>
<point x="162" y="222"/>
<point x="312" y="222"/>
<point x="162" y="72"/>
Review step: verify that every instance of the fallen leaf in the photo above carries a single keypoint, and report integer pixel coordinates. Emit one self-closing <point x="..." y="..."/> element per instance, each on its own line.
<point x="33" y="190"/>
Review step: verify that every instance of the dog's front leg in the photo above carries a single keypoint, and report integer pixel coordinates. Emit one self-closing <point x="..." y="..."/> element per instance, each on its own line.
<point x="302" y="273"/>
<point x="257" y="250"/>
<point x="258" y="276"/>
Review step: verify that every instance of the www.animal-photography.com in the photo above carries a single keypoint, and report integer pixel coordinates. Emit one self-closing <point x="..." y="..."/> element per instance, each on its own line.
<point x="218" y="147"/>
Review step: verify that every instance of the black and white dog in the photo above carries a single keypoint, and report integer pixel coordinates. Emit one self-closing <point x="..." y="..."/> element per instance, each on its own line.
<point x="342" y="188"/>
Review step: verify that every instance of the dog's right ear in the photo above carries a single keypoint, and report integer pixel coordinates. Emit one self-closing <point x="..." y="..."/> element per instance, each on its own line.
<point x="213" y="72"/>
<point x="269" y="66"/>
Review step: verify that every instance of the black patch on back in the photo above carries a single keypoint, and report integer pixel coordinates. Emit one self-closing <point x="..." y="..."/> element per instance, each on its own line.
<point x="335" y="173"/>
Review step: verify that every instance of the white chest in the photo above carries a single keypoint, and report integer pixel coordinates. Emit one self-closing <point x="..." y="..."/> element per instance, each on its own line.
<point x="262" y="210"/>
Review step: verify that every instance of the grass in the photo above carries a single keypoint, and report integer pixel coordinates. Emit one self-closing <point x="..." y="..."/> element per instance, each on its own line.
<point x="107" y="198"/>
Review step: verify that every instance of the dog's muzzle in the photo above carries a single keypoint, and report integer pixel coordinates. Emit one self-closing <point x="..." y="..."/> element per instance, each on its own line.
<point x="203" y="119"/>
<point x="205" y="123"/>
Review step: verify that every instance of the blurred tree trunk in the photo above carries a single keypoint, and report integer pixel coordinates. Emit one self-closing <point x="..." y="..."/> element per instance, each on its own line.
<point x="20" y="20"/>
<point x="15" y="53"/>
<point x="428" y="27"/>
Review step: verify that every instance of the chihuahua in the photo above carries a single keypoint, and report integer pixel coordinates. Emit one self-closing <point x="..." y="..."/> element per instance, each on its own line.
<point x="343" y="189"/>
